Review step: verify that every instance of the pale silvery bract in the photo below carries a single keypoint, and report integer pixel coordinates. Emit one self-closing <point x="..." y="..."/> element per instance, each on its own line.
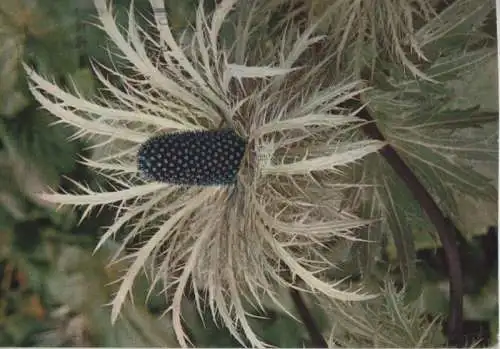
<point x="227" y="244"/>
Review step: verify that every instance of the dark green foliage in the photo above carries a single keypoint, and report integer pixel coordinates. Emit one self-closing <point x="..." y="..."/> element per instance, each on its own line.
<point x="274" y="327"/>
<point x="428" y="124"/>
<point x="31" y="137"/>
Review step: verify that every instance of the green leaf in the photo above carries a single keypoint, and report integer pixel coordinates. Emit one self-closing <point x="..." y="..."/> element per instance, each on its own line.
<point x="281" y="331"/>
<point x="435" y="298"/>
<point x="12" y="100"/>
<point x="454" y="119"/>
<point x="494" y="330"/>
<point x="55" y="51"/>
<point x="479" y="87"/>
<point x="388" y="321"/>
<point x="465" y="180"/>
<point x="446" y="68"/>
<point x="363" y="254"/>
<point x="449" y="67"/>
<point x="26" y="236"/>
<point x="94" y="43"/>
<point x="31" y="137"/>
<point x="182" y="13"/>
<point x="11" y="52"/>
<point x="402" y="216"/>
<point x="21" y="328"/>
<point x="203" y="331"/>
<point x="474" y="216"/>
<point x="83" y="82"/>
<point x="36" y="273"/>
<point x="367" y="252"/>
<point x="457" y="147"/>
<point x="455" y="26"/>
<point x="81" y="280"/>
<point x="483" y="306"/>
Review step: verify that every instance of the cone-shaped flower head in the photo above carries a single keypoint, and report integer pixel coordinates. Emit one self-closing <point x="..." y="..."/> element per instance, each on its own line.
<point x="225" y="149"/>
<point x="192" y="158"/>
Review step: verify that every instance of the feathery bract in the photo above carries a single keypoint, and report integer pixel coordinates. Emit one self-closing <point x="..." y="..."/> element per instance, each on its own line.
<point x="287" y="146"/>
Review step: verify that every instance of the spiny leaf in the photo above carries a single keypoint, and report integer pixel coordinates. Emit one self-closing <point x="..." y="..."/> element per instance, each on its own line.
<point x="459" y="21"/>
<point x="389" y="321"/>
<point x="450" y="143"/>
<point x="457" y="63"/>
<point x="460" y="178"/>
<point x="401" y="222"/>
<point x="455" y="118"/>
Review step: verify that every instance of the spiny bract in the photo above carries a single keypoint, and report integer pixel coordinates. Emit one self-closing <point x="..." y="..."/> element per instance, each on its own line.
<point x="231" y="246"/>
<point x="192" y="158"/>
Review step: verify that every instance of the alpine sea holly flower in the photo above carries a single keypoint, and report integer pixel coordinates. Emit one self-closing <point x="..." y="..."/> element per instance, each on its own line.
<point x="192" y="158"/>
<point x="267" y="110"/>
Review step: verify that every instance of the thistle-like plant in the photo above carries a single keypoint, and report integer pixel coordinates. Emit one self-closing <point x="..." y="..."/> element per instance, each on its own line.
<point x="389" y="321"/>
<point x="364" y="27"/>
<point x="225" y="154"/>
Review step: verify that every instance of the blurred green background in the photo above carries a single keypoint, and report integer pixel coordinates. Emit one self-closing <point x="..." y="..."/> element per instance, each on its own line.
<point x="52" y="288"/>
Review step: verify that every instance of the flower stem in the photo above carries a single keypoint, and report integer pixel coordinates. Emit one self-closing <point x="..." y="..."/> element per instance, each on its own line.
<point x="307" y="319"/>
<point x="445" y="228"/>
